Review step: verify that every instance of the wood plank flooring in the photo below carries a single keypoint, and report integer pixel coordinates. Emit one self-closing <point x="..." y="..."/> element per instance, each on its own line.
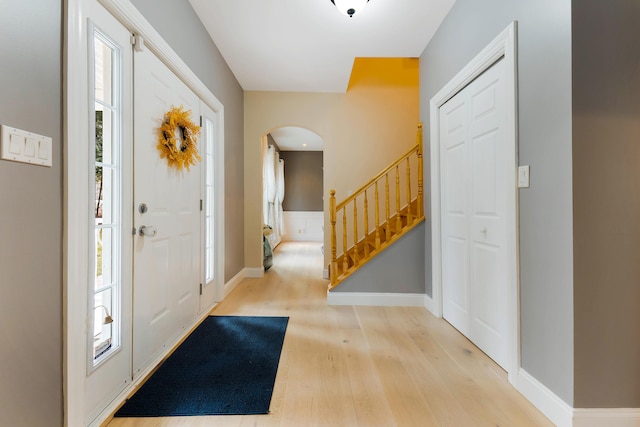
<point x="362" y="366"/>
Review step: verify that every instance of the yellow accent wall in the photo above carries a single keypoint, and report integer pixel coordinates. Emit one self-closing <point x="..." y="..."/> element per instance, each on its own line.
<point x="364" y="130"/>
<point x="389" y="72"/>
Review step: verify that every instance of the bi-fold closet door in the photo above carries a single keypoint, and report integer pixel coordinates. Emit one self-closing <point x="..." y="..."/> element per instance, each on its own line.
<point x="476" y="177"/>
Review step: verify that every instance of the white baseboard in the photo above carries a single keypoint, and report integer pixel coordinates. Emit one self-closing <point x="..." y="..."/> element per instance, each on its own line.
<point x="610" y="417"/>
<point x="430" y="305"/>
<point x="235" y="281"/>
<point x="554" y="408"/>
<point x="375" y="299"/>
<point x="254" y="272"/>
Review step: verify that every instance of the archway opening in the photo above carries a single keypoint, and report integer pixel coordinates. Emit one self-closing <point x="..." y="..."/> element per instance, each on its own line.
<point x="292" y="161"/>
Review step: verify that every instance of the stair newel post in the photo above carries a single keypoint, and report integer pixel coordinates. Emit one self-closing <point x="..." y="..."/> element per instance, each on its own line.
<point x="409" y="214"/>
<point x="387" y="207"/>
<point x="366" y="225"/>
<point x="377" y="211"/>
<point x="356" y="259"/>
<point x="345" y="257"/>
<point x="333" y="270"/>
<point x="420" y="171"/>
<point x="398" y="218"/>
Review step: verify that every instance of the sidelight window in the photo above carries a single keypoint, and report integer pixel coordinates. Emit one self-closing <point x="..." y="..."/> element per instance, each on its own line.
<point x="105" y="188"/>
<point x="209" y="205"/>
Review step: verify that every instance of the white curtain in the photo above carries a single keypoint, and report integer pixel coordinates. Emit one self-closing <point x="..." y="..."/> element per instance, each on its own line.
<point x="280" y="196"/>
<point x="269" y="189"/>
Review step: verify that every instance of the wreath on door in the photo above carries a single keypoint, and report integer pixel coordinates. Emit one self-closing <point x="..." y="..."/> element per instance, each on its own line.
<point x="177" y="139"/>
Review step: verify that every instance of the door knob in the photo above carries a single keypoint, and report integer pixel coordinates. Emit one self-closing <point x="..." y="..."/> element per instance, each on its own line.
<point x="484" y="231"/>
<point x="147" y="230"/>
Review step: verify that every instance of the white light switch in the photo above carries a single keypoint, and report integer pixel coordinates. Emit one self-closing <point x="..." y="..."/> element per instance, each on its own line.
<point x="17" y="144"/>
<point x="30" y="147"/>
<point x="44" y="150"/>
<point x="22" y="146"/>
<point x="523" y="176"/>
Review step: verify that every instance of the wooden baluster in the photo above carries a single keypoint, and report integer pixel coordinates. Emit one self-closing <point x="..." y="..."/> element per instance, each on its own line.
<point x="398" y="218"/>
<point x="333" y="269"/>
<point x="345" y="258"/>
<point x="377" y="217"/>
<point x="387" y="207"/>
<point x="356" y="258"/>
<point x="409" y="214"/>
<point x="366" y="225"/>
<point x="420" y="201"/>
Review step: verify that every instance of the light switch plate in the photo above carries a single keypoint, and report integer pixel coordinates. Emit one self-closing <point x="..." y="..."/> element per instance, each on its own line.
<point x="523" y="176"/>
<point x="27" y="147"/>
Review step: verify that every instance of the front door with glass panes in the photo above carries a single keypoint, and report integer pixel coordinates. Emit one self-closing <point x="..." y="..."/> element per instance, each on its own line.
<point x="108" y="362"/>
<point x="183" y="207"/>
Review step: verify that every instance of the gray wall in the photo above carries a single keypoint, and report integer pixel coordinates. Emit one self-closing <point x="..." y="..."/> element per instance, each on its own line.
<point x="303" y="189"/>
<point x="398" y="269"/>
<point x="31" y="219"/>
<point x="545" y="210"/>
<point x="179" y="25"/>
<point x="606" y="196"/>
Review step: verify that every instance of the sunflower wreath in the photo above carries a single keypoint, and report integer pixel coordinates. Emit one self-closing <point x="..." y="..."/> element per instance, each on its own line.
<point x="183" y="153"/>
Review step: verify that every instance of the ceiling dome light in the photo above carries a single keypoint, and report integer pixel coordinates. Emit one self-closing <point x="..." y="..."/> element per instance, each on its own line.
<point x="350" y="7"/>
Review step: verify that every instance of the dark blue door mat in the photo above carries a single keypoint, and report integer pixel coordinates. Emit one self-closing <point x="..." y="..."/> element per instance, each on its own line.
<point x="227" y="366"/>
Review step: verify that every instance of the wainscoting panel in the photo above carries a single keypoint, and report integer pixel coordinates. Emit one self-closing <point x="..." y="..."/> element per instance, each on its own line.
<point x="302" y="226"/>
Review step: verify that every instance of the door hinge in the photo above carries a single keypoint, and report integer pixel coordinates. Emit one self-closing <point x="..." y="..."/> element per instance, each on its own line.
<point x="137" y="42"/>
<point x="201" y="203"/>
<point x="200" y="288"/>
<point x="201" y="120"/>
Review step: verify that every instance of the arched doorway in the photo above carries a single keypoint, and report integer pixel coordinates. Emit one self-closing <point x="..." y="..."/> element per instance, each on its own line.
<point x="299" y="215"/>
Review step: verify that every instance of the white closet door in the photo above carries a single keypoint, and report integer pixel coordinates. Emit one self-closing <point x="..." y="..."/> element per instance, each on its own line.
<point x="475" y="180"/>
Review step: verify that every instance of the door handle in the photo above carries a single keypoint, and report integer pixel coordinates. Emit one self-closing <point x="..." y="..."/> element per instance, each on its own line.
<point x="147" y="230"/>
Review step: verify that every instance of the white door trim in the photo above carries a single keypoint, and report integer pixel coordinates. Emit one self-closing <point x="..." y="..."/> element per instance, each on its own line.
<point x="131" y="18"/>
<point x="503" y="46"/>
<point x="76" y="228"/>
<point x="76" y="165"/>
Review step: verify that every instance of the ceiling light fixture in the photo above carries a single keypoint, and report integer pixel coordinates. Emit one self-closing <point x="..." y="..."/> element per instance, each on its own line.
<point x="350" y="7"/>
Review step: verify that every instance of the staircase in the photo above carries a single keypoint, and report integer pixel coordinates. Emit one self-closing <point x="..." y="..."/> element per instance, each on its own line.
<point x="395" y="212"/>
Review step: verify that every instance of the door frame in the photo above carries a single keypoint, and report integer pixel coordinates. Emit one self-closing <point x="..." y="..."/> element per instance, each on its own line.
<point x="503" y="46"/>
<point x="75" y="234"/>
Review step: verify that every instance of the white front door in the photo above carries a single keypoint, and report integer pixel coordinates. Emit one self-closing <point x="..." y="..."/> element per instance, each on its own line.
<point x="475" y="180"/>
<point x="167" y="264"/>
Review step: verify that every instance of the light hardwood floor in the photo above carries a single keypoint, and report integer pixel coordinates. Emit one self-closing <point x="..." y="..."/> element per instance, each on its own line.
<point x="362" y="366"/>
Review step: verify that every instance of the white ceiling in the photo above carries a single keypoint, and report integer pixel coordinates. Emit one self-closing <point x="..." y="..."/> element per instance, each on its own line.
<point x="292" y="138"/>
<point x="308" y="45"/>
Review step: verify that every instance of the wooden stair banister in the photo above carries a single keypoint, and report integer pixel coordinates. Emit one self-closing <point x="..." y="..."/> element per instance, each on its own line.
<point x="408" y="213"/>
